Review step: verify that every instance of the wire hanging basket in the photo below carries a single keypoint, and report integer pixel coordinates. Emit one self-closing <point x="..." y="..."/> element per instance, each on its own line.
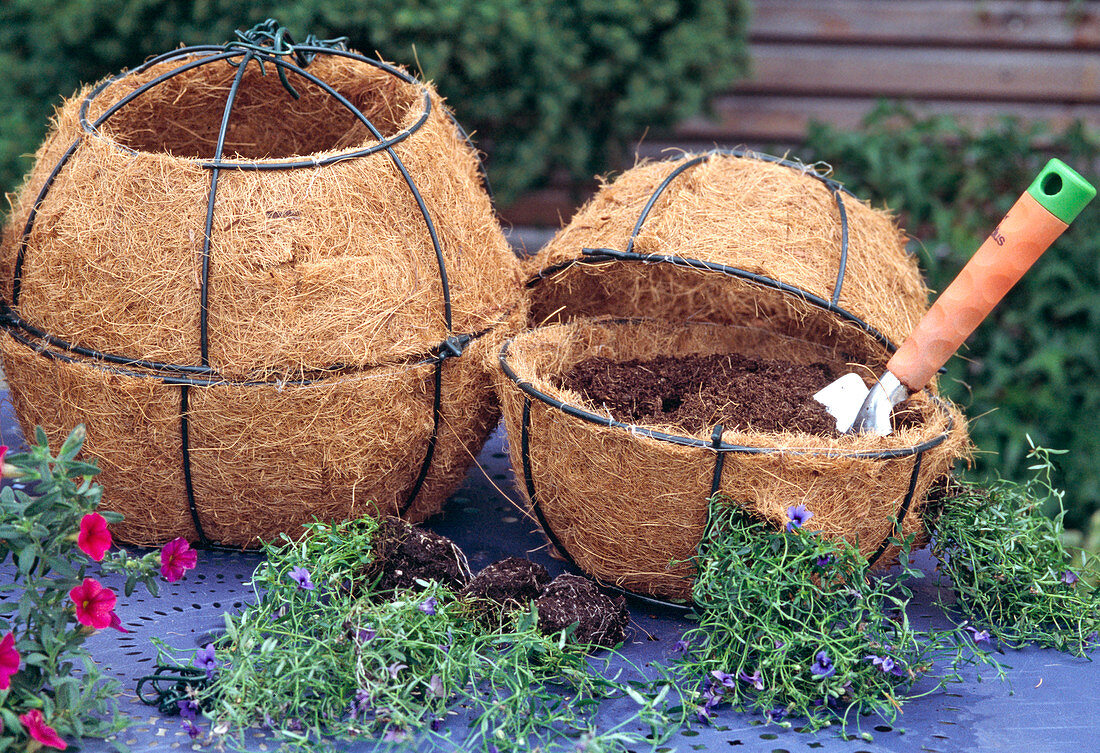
<point x="265" y="276"/>
<point x="627" y="503"/>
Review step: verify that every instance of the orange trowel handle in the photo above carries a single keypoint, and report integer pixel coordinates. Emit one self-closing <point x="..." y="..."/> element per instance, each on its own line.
<point x="1022" y="236"/>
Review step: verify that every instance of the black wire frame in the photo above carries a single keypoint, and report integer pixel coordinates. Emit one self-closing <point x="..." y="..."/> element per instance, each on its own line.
<point x="187" y="376"/>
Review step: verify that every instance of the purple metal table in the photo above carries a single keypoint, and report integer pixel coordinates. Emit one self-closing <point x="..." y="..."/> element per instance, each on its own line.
<point x="1046" y="705"/>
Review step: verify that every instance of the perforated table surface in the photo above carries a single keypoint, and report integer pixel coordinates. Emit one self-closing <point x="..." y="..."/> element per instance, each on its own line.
<point x="1047" y="704"/>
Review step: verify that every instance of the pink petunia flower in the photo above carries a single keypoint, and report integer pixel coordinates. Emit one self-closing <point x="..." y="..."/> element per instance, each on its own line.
<point x="40" y="731"/>
<point x="116" y="624"/>
<point x="9" y="660"/>
<point x="176" y="558"/>
<point x="94" y="538"/>
<point x="94" y="604"/>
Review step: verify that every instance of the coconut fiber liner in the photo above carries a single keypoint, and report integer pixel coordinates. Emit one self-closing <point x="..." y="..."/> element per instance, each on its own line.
<point x="628" y="504"/>
<point x="265" y="277"/>
<point x="637" y="247"/>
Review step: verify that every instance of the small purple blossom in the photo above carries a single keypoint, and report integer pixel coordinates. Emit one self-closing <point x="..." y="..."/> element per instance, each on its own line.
<point x="824" y="561"/>
<point x="754" y="679"/>
<point x="365" y="635"/>
<point x="190" y="728"/>
<point x="395" y="735"/>
<point x="301" y="576"/>
<point x="205" y="659"/>
<point x="723" y="679"/>
<point x="681" y="646"/>
<point x="437" y="724"/>
<point x="979" y="636"/>
<point x="885" y="663"/>
<point x="823" y="667"/>
<point x="1070" y="577"/>
<point x="362" y="701"/>
<point x="775" y="715"/>
<point x="428" y="605"/>
<point x="189" y="708"/>
<point x="797" y="517"/>
<point x="435" y="687"/>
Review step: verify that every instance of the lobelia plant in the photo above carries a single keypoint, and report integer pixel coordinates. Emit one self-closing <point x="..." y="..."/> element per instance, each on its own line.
<point x="792" y="624"/>
<point x="50" y="685"/>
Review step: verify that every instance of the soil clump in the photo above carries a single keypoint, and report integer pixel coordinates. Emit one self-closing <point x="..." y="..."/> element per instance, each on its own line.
<point x="568" y="599"/>
<point x="406" y="553"/>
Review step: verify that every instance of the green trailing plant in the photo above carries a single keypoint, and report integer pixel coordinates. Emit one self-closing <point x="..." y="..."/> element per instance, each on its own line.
<point x="545" y="86"/>
<point x="1014" y="581"/>
<point x="1030" y="368"/>
<point x="321" y="656"/>
<point x="50" y="686"/>
<point x="792" y="624"/>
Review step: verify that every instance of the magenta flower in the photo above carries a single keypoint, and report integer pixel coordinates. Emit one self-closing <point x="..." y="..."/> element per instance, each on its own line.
<point x="205" y="659"/>
<point x="94" y="539"/>
<point x="301" y="576"/>
<point x="116" y="623"/>
<point x="37" y="728"/>
<point x="176" y="558"/>
<point x="823" y="666"/>
<point x="754" y="679"/>
<point x="797" y="517"/>
<point x="9" y="660"/>
<point x="94" y="604"/>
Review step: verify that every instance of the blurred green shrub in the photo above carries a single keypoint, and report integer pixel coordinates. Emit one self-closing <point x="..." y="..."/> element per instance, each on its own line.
<point x="545" y="86"/>
<point x="1034" y="366"/>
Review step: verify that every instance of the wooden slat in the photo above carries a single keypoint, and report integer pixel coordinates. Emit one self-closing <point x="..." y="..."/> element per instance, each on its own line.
<point x="755" y="117"/>
<point x="880" y="71"/>
<point x="993" y="23"/>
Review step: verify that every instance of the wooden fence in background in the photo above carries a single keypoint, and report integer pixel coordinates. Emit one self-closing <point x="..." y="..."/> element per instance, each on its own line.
<point x="834" y="60"/>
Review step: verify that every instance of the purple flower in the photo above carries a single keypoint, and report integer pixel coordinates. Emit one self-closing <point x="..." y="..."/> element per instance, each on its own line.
<point x="797" y="517"/>
<point x="301" y="576"/>
<point x="394" y="735"/>
<point x="775" y="715"/>
<point x="204" y="659"/>
<point x="437" y="724"/>
<point x="1069" y="578"/>
<point x="823" y="667"/>
<point x="365" y="635"/>
<point x="723" y="679"/>
<point x="824" y="561"/>
<point x="681" y="646"/>
<point x="754" y="679"/>
<point x="435" y="687"/>
<point x="189" y="709"/>
<point x="979" y="636"/>
<point x="190" y="728"/>
<point x="885" y="663"/>
<point x="362" y="701"/>
<point x="428" y="605"/>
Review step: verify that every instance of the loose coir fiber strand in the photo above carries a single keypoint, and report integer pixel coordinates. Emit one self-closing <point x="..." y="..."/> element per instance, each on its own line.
<point x="627" y="506"/>
<point x="313" y="271"/>
<point x="631" y="509"/>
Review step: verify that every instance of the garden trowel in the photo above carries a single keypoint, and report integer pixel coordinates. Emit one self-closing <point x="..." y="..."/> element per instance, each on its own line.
<point x="1039" y="216"/>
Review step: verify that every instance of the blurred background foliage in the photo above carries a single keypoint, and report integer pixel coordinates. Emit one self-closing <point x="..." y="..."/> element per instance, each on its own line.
<point x="545" y="87"/>
<point x="1033" y="366"/>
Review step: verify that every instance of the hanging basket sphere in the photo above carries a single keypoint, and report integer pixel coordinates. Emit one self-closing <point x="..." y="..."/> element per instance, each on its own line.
<point x="266" y="280"/>
<point x="724" y="253"/>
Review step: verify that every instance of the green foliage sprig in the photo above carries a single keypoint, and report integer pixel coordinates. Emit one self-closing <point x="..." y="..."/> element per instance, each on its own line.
<point x="319" y="656"/>
<point x="50" y="685"/>
<point x="1012" y="577"/>
<point x="791" y="623"/>
<point x="1031" y="367"/>
<point x="545" y="86"/>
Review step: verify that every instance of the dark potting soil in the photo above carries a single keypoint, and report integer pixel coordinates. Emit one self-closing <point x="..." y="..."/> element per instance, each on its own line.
<point x="405" y="553"/>
<point x="601" y="620"/>
<point x="697" y="392"/>
<point x="509" y="581"/>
